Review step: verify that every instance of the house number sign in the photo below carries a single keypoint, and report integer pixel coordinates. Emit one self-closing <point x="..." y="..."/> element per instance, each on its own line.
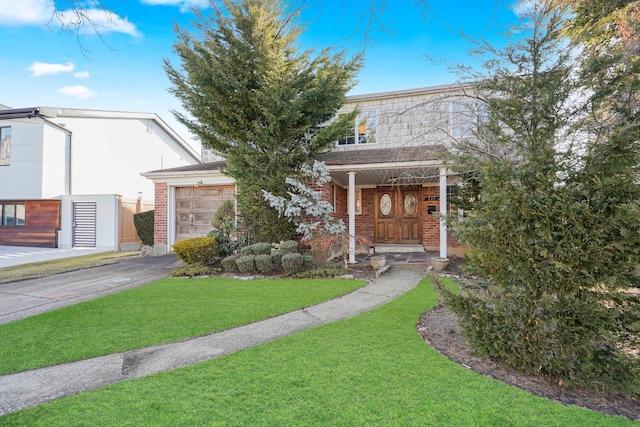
<point x="385" y="204"/>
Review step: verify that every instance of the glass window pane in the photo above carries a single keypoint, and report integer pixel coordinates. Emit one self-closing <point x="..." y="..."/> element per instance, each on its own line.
<point x="9" y="214"/>
<point x="20" y="215"/>
<point x="1" y="214"/>
<point x="5" y="146"/>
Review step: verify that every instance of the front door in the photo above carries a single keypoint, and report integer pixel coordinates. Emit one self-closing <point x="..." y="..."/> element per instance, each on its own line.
<point x="398" y="215"/>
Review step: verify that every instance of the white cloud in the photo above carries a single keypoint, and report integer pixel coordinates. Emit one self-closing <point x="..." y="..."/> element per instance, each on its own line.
<point x="98" y="20"/>
<point x="43" y="68"/>
<point x="81" y="75"/>
<point x="32" y="12"/>
<point x="185" y="5"/>
<point x="43" y="12"/>
<point x="79" y="91"/>
<point x="524" y="7"/>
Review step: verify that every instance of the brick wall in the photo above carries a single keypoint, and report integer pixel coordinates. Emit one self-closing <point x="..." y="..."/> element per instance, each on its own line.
<point x="160" y="217"/>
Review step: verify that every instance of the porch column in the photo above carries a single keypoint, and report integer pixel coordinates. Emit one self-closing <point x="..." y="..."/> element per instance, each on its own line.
<point x="351" y="205"/>
<point x="443" y="212"/>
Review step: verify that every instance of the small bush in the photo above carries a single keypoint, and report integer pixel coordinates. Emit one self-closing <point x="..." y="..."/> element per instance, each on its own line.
<point x="264" y="264"/>
<point x="246" y="250"/>
<point x="292" y="263"/>
<point x="276" y="259"/>
<point x="197" y="250"/>
<point x="246" y="263"/>
<point x="322" y="272"/>
<point x="289" y="247"/>
<point x="261" y="248"/>
<point x="308" y="262"/>
<point x="225" y="213"/>
<point x="229" y="263"/>
<point x="191" y="270"/>
<point x="143" y="222"/>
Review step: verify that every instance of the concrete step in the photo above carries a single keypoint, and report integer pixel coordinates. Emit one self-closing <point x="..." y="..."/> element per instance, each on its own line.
<point x="381" y="248"/>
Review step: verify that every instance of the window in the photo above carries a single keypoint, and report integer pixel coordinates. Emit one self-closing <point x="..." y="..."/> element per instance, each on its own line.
<point x="12" y="214"/>
<point x="465" y="116"/>
<point x="358" y="201"/>
<point x="5" y="146"/>
<point x="363" y="131"/>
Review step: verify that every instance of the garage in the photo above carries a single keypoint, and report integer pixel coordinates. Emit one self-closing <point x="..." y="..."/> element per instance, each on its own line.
<point x="195" y="206"/>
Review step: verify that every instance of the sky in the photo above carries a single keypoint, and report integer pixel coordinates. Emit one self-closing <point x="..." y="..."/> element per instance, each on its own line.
<point x="119" y="67"/>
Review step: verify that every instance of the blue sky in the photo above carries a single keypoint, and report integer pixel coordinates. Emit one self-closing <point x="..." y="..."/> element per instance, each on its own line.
<point x="121" y="69"/>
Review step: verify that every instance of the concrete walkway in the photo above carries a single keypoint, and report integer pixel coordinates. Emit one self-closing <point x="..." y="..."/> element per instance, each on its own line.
<point x="30" y="388"/>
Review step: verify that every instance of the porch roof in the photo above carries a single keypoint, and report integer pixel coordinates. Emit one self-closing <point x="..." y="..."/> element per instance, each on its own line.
<point x="409" y="165"/>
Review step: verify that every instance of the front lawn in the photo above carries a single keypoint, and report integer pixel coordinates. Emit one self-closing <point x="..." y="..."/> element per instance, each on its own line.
<point x="372" y="370"/>
<point x="160" y="312"/>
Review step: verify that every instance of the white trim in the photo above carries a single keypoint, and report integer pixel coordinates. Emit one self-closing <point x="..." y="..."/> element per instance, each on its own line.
<point x="352" y="217"/>
<point x="443" y="212"/>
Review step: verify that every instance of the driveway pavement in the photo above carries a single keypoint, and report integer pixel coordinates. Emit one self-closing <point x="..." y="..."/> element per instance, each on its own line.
<point x="29" y="297"/>
<point x="17" y="255"/>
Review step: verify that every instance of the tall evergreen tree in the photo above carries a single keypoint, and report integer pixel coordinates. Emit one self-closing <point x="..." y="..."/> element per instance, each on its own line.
<point x="259" y="101"/>
<point x="555" y="230"/>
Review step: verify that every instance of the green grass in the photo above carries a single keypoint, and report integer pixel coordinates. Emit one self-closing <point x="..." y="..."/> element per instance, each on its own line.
<point x="35" y="270"/>
<point x="164" y="311"/>
<point x="372" y="370"/>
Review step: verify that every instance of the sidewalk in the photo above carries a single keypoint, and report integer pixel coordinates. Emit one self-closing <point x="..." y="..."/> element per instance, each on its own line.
<point x="30" y="388"/>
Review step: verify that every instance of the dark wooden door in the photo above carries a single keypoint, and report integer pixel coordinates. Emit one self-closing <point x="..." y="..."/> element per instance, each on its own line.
<point x="409" y="219"/>
<point x="398" y="216"/>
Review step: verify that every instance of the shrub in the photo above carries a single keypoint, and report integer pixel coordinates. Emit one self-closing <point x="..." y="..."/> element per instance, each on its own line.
<point x="143" y="222"/>
<point x="191" y="270"/>
<point x="246" y="250"/>
<point x="322" y="272"/>
<point x="246" y="263"/>
<point x="229" y="263"/>
<point x="225" y="213"/>
<point x="264" y="264"/>
<point x="289" y="247"/>
<point x="308" y="262"/>
<point x="197" y="250"/>
<point x="261" y="248"/>
<point x="276" y="258"/>
<point x="292" y="263"/>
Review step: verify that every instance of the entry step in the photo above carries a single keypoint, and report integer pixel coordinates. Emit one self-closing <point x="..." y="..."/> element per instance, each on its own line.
<point x="389" y="248"/>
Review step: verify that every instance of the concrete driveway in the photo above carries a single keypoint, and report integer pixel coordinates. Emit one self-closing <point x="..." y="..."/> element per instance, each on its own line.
<point x="29" y="297"/>
<point x="16" y="255"/>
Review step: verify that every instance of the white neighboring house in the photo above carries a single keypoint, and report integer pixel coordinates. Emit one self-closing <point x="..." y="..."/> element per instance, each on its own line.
<point x="71" y="177"/>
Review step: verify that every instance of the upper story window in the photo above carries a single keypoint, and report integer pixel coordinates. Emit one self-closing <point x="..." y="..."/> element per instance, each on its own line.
<point x="5" y="146"/>
<point x="12" y="214"/>
<point x="363" y="131"/>
<point x="465" y="116"/>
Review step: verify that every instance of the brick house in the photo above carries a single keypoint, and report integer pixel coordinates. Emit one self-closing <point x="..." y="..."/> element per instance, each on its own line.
<point x="388" y="167"/>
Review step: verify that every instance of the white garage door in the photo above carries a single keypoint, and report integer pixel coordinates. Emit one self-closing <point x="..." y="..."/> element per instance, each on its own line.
<point x="195" y="206"/>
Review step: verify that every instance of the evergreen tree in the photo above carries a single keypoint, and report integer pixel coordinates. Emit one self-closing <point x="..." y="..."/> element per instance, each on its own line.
<point x="555" y="230"/>
<point x="257" y="100"/>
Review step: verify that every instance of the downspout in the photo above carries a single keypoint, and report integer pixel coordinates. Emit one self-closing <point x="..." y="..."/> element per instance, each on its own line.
<point x="69" y="171"/>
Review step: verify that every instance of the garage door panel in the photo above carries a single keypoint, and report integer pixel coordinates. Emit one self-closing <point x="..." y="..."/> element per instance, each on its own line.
<point x="207" y="192"/>
<point x="184" y="192"/>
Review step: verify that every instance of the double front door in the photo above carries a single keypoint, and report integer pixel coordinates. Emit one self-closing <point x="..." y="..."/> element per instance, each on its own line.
<point x="397" y="218"/>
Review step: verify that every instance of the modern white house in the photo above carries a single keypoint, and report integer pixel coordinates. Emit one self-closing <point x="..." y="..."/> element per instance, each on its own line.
<point x="71" y="177"/>
<point x="388" y="179"/>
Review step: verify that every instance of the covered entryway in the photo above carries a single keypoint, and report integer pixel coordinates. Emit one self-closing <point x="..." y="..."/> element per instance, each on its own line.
<point x="397" y="215"/>
<point x="195" y="207"/>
